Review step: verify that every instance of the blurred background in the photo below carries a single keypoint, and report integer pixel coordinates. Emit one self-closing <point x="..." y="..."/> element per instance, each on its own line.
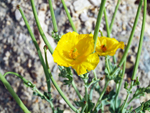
<point x="18" y="54"/>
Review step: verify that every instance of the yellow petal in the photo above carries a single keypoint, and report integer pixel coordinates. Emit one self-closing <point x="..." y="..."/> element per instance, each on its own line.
<point x="111" y="46"/>
<point x="89" y="64"/>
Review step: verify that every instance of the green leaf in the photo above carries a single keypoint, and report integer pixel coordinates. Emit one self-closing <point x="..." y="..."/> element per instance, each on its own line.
<point x="101" y="106"/>
<point x="91" y="105"/>
<point x="139" y="92"/>
<point x="66" y="73"/>
<point x="136" y="82"/>
<point x="147" y="90"/>
<point x="126" y="85"/>
<point x="80" y="103"/>
<point x="58" y="111"/>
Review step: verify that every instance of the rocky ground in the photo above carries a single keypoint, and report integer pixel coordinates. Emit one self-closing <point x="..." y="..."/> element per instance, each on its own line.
<point x="18" y="54"/>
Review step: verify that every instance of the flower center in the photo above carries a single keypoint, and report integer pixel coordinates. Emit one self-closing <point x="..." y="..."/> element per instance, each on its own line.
<point x="103" y="47"/>
<point x="73" y="53"/>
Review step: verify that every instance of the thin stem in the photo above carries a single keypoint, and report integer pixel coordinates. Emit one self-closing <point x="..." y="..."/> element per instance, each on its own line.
<point x="107" y="24"/>
<point x="141" y="41"/>
<point x="102" y="93"/>
<point x="38" y="51"/>
<point x="99" y="18"/>
<point x="83" y="109"/>
<point x="127" y="97"/>
<point x="120" y="83"/>
<point x="53" y="16"/>
<point x="49" y="85"/>
<point x="131" y="99"/>
<point x="40" y="28"/>
<point x="13" y="73"/>
<point x="86" y="98"/>
<point x="132" y="34"/>
<point x="114" y="15"/>
<point x="58" y="89"/>
<point x="107" y="65"/>
<point x="138" y="109"/>
<point x="68" y="15"/>
<point x="29" y="84"/>
<point x="14" y="95"/>
<point x="108" y="30"/>
<point x="95" y="76"/>
<point x="77" y="91"/>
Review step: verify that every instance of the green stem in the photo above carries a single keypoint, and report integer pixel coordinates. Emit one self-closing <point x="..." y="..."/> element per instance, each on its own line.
<point x="127" y="97"/>
<point x="14" y="95"/>
<point x="108" y="30"/>
<point x="58" y="88"/>
<point x="40" y="28"/>
<point x="120" y="83"/>
<point x="29" y="84"/>
<point x="68" y="15"/>
<point x="107" y="24"/>
<point x="13" y="73"/>
<point x="53" y="16"/>
<point x="138" y="109"/>
<point x="114" y="15"/>
<point x="38" y="51"/>
<point x="130" y="39"/>
<point x="131" y="99"/>
<point x="106" y="63"/>
<point x="86" y="98"/>
<point x="83" y="109"/>
<point x="102" y="93"/>
<point x="95" y="76"/>
<point x="132" y="34"/>
<point x="49" y="85"/>
<point x="77" y="91"/>
<point x="99" y="18"/>
<point x="141" y="42"/>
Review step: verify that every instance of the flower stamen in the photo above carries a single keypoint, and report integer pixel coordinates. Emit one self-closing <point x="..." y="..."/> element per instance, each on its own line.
<point x="103" y="47"/>
<point x="73" y="53"/>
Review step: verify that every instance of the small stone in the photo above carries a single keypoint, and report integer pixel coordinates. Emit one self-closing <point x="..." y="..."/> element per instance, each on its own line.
<point x="95" y="2"/>
<point x="62" y="101"/>
<point x="7" y="54"/>
<point x="35" y="107"/>
<point x="80" y="5"/>
<point x="67" y="111"/>
<point x="132" y="59"/>
<point x="17" y="15"/>
<point x="89" y="24"/>
<point x="135" y="49"/>
<point x="84" y="16"/>
<point x="43" y="6"/>
<point x="22" y="22"/>
<point x="22" y="38"/>
<point x="123" y="26"/>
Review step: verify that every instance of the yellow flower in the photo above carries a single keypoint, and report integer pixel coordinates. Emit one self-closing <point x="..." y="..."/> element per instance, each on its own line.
<point x="108" y="46"/>
<point x="75" y="50"/>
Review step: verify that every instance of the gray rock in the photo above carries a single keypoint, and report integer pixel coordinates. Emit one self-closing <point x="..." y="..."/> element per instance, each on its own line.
<point x="84" y="17"/>
<point x="17" y="15"/>
<point x="62" y="101"/>
<point x="147" y="65"/>
<point x="43" y="6"/>
<point x="80" y="5"/>
<point x="22" y="38"/>
<point x="35" y="107"/>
